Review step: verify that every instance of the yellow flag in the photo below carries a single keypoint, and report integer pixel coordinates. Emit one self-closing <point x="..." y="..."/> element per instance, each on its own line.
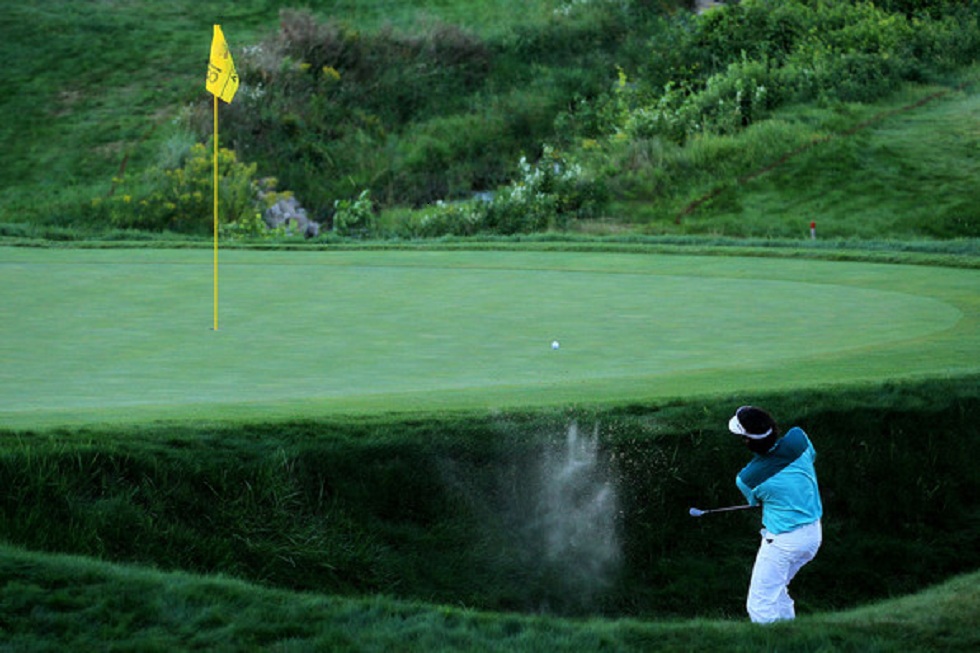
<point x="222" y="77"/>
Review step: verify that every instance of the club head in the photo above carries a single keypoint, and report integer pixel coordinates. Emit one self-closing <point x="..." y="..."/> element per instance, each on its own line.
<point x="695" y="512"/>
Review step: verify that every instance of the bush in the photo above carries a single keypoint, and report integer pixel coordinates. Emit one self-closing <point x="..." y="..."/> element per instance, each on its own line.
<point x="250" y="227"/>
<point x="729" y="101"/>
<point x="943" y="44"/>
<point x="449" y="157"/>
<point x="520" y="209"/>
<point x="181" y="199"/>
<point x="749" y="58"/>
<point x="355" y="218"/>
<point x="446" y="219"/>
<point x="546" y="195"/>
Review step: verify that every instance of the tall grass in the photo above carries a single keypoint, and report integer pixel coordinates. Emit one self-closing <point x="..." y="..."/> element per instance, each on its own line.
<point x="70" y="603"/>
<point x="442" y="508"/>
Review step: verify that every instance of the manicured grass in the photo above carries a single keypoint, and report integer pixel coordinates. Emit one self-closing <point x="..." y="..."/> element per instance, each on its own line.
<point x="109" y="334"/>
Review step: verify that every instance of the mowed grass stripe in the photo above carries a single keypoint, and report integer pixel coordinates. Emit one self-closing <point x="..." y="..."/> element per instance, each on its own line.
<point x="105" y="330"/>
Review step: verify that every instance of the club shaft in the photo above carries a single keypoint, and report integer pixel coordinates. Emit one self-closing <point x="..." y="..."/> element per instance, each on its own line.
<point x="727" y="509"/>
<point x="698" y="513"/>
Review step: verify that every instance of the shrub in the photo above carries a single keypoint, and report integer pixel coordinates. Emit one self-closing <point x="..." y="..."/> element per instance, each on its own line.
<point x="728" y="102"/>
<point x="943" y="44"/>
<point x="181" y="199"/>
<point x="250" y="227"/>
<point x="787" y="52"/>
<point x="520" y="209"/>
<point x="355" y="218"/>
<point x="447" y="219"/>
<point x="546" y="195"/>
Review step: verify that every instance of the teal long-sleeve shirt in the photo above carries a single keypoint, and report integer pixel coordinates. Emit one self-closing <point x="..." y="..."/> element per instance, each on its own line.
<point x="784" y="481"/>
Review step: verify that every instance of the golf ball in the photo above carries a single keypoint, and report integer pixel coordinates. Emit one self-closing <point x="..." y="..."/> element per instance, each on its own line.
<point x="554" y="344"/>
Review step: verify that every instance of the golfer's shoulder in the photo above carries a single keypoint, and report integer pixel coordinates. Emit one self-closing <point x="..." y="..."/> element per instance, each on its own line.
<point x="796" y="433"/>
<point x="796" y="442"/>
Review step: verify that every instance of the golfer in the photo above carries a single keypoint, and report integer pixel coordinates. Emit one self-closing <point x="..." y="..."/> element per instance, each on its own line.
<point x="782" y="479"/>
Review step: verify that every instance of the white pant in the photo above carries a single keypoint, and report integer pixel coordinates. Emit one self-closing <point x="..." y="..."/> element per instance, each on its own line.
<point x="778" y="560"/>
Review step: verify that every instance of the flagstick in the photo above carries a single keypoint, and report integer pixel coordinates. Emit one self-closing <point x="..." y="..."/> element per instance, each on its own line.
<point x="215" y="212"/>
<point x="222" y="82"/>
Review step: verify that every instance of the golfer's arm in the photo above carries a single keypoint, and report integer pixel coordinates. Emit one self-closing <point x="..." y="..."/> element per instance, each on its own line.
<point x="747" y="491"/>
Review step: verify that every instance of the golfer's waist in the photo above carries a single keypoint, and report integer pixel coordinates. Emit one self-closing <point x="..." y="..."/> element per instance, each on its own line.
<point x="798" y="530"/>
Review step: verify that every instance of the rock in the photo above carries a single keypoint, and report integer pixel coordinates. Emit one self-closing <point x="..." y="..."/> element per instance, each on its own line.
<point x="288" y="213"/>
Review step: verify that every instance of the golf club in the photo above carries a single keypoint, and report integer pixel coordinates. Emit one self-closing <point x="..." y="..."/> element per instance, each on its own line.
<point x="697" y="513"/>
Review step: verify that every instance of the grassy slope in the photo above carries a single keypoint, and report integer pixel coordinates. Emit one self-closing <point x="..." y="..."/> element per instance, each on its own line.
<point x="859" y="171"/>
<point x="57" y="602"/>
<point x="871" y="183"/>
<point x="90" y="91"/>
<point x="89" y="85"/>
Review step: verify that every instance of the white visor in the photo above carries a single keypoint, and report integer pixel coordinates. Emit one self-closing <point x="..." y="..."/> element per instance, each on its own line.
<point x="736" y="427"/>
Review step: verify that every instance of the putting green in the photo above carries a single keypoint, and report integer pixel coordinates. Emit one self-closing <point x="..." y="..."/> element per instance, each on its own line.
<point x="108" y="334"/>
